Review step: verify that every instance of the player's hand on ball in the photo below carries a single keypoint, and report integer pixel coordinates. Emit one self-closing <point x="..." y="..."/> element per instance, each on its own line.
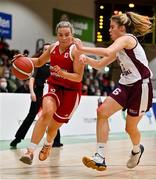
<point x="16" y="56"/>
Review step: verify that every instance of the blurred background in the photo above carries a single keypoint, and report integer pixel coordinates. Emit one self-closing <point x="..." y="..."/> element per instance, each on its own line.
<point x="25" y="25"/>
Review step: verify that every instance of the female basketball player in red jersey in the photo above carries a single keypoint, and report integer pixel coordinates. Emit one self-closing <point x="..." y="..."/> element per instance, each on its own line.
<point x="134" y="92"/>
<point x="64" y="82"/>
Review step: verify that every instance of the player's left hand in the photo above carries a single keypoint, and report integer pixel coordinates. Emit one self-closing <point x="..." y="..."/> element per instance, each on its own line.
<point x="58" y="70"/>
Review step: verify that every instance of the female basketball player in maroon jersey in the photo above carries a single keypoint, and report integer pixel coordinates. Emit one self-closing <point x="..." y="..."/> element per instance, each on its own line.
<point x="64" y="82"/>
<point x="134" y="92"/>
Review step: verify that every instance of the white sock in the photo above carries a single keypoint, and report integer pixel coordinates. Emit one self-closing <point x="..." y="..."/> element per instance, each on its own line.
<point x="32" y="147"/>
<point x="136" y="148"/>
<point x="48" y="143"/>
<point x="100" y="149"/>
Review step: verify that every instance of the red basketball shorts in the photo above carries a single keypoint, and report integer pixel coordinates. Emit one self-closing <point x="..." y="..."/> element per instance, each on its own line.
<point x="67" y="101"/>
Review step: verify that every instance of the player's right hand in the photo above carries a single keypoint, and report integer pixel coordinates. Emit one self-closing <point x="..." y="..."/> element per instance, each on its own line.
<point x="16" y="56"/>
<point x="78" y="44"/>
<point x="83" y="59"/>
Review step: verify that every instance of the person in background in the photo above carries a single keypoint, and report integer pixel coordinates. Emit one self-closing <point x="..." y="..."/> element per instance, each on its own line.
<point x="36" y="84"/>
<point x="3" y="85"/>
<point x="26" y="52"/>
<point x="134" y="91"/>
<point x="11" y="83"/>
<point x="23" y="88"/>
<point x="84" y="89"/>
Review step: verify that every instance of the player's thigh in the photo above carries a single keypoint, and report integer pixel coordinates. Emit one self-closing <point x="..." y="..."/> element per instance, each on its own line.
<point x="109" y="107"/>
<point x="48" y="104"/>
<point x="69" y="103"/>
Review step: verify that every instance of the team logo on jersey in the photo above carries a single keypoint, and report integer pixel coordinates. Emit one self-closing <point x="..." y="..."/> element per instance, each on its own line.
<point x="66" y="55"/>
<point x="133" y="111"/>
<point x="53" y="90"/>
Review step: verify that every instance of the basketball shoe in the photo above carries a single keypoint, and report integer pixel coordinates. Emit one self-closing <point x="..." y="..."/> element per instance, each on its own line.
<point x="44" y="153"/>
<point x="135" y="158"/>
<point x="57" y="145"/>
<point x="27" y="158"/>
<point x="96" y="162"/>
<point x="14" y="143"/>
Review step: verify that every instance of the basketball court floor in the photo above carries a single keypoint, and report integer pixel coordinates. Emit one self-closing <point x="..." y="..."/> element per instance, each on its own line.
<point x="65" y="163"/>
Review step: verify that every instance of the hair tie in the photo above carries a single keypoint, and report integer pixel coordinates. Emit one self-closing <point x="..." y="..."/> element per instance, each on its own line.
<point x="128" y="15"/>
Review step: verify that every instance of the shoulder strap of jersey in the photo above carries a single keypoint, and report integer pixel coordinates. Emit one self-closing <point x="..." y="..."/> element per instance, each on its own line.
<point x="70" y="51"/>
<point x="53" y="46"/>
<point x="134" y="38"/>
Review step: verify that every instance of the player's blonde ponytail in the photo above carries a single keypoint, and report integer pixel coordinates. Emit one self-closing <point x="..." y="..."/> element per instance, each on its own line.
<point x="142" y="24"/>
<point x="134" y="23"/>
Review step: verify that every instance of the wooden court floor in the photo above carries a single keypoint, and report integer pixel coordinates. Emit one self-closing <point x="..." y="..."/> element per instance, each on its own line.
<point x="65" y="163"/>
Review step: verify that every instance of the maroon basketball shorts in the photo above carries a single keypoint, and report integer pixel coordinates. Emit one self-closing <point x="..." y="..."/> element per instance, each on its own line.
<point x="67" y="101"/>
<point x="136" y="97"/>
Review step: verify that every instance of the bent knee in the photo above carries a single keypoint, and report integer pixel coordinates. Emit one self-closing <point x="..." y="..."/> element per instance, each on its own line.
<point x="102" y="114"/>
<point x="46" y="114"/>
<point x="130" y="130"/>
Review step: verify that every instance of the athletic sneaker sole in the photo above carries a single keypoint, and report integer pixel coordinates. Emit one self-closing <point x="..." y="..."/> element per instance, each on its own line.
<point x="91" y="164"/>
<point x="142" y="150"/>
<point x="26" y="160"/>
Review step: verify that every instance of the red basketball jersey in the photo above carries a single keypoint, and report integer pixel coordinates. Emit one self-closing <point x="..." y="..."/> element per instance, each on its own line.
<point x="65" y="62"/>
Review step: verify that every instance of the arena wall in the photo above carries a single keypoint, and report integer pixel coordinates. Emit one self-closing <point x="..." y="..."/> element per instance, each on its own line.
<point x="14" y="108"/>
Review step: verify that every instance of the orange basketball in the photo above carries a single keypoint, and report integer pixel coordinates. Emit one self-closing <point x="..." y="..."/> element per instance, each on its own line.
<point x="22" y="68"/>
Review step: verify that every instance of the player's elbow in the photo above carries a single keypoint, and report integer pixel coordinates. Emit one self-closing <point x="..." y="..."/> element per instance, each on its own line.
<point x="111" y="54"/>
<point x="79" y="78"/>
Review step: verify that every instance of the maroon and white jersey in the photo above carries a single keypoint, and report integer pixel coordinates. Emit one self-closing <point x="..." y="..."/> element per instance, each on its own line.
<point x="65" y="62"/>
<point x="133" y="63"/>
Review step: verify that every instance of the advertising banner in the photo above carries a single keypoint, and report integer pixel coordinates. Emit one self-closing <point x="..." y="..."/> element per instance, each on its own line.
<point x="83" y="26"/>
<point x="5" y="25"/>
